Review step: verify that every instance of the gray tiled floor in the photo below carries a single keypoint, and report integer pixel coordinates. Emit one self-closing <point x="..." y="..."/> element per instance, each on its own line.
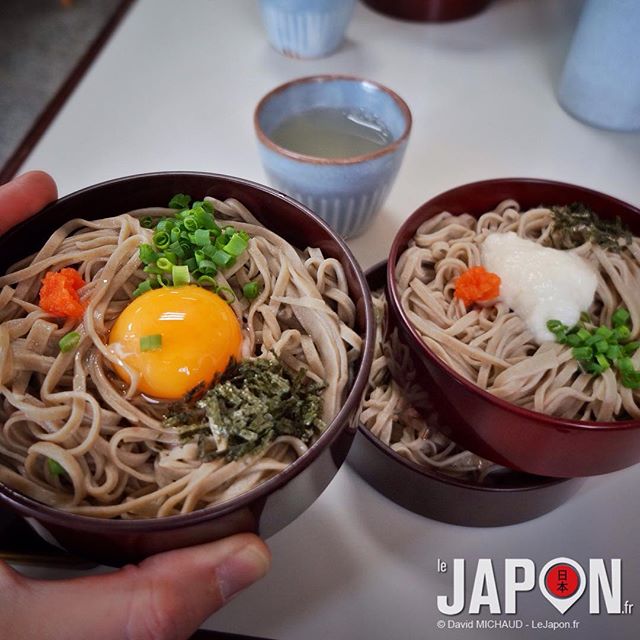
<point x="41" y="42"/>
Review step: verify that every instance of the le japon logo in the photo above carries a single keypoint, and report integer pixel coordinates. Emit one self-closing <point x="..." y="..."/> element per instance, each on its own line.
<point x="562" y="581"/>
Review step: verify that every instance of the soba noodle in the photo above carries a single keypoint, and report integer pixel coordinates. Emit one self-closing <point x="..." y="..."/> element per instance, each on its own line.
<point x="388" y="414"/>
<point x="489" y="344"/>
<point x="69" y="407"/>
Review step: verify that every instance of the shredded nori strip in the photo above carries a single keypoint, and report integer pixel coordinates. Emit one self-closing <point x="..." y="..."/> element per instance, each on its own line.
<point x="575" y="224"/>
<point x="247" y="408"/>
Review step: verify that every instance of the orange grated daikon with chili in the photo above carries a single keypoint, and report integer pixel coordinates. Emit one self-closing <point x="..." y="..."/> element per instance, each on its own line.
<point x="59" y="293"/>
<point x="477" y="285"/>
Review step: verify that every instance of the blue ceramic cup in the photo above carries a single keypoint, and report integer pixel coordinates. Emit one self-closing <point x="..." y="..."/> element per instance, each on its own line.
<point x="306" y="28"/>
<point x="600" y="83"/>
<point x="345" y="192"/>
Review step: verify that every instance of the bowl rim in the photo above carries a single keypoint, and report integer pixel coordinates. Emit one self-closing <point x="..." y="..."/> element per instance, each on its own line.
<point x="398" y="247"/>
<point x="433" y="473"/>
<point x="43" y="512"/>
<point x="309" y="159"/>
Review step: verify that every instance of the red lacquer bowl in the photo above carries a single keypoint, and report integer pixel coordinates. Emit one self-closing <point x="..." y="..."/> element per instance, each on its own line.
<point x="429" y="10"/>
<point x="493" y="428"/>
<point x="272" y="504"/>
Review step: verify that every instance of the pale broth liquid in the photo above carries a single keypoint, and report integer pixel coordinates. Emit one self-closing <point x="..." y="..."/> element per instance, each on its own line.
<point x="331" y="133"/>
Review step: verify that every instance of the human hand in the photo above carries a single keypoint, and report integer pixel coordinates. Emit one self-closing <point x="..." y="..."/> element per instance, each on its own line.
<point x="166" y="597"/>
<point x="24" y="196"/>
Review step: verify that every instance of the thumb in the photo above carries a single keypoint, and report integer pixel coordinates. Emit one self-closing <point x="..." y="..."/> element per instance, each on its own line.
<point x="24" y="196"/>
<point x="166" y="597"/>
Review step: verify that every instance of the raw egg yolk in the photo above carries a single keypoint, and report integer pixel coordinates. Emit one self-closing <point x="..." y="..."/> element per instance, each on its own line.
<point x="199" y="334"/>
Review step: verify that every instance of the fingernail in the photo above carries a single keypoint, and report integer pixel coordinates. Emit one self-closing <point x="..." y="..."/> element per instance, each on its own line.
<point x="243" y="568"/>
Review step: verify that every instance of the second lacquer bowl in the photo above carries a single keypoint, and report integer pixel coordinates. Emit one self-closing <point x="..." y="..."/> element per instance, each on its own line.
<point x="479" y="421"/>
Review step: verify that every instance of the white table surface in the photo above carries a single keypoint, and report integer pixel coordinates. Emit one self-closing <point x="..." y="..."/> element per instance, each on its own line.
<point x="175" y="88"/>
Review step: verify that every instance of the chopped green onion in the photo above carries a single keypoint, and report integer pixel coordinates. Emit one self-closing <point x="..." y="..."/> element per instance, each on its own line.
<point x="69" y="342"/>
<point x="143" y="287"/>
<point x="209" y="250"/>
<point x="591" y="340"/>
<point x="602" y="346"/>
<point x="620" y="317"/>
<point x="146" y="222"/>
<point x="573" y="340"/>
<point x="596" y="369"/>
<point x="604" y="332"/>
<point x="180" y="201"/>
<point x="147" y="254"/>
<point x="170" y="256"/>
<point x="622" y="332"/>
<point x="631" y="380"/>
<point x="207" y="281"/>
<point x="204" y="204"/>
<point x="151" y="268"/>
<point x="192" y="240"/>
<point x="151" y="343"/>
<point x="207" y="221"/>
<point x="177" y="249"/>
<point x="190" y="223"/>
<point x="582" y="353"/>
<point x="55" y="468"/>
<point x="251" y="290"/>
<point x="164" y="264"/>
<point x="631" y="347"/>
<point x="625" y="365"/>
<point x="614" y="351"/>
<point x="207" y="267"/>
<point x="236" y="245"/>
<point x="202" y="237"/>
<point x="555" y="326"/>
<point x="585" y="317"/>
<point x="161" y="239"/>
<point x="180" y="275"/>
<point x="222" y="258"/>
<point x="583" y="334"/>
<point x="166" y="224"/>
<point x="602" y="361"/>
<point x="230" y="296"/>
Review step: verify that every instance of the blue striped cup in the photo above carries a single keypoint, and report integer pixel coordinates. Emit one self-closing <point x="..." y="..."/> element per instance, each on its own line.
<point x="306" y="28"/>
<point x="345" y="192"/>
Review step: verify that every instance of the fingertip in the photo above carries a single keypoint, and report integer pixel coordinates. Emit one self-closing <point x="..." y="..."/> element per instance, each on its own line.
<point x="41" y="183"/>
<point x="40" y="187"/>
<point x="245" y="539"/>
<point x="194" y="581"/>
<point x="242" y="568"/>
<point x="25" y="195"/>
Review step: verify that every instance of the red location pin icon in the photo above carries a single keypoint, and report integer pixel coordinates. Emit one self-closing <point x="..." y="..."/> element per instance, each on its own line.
<point x="562" y="582"/>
